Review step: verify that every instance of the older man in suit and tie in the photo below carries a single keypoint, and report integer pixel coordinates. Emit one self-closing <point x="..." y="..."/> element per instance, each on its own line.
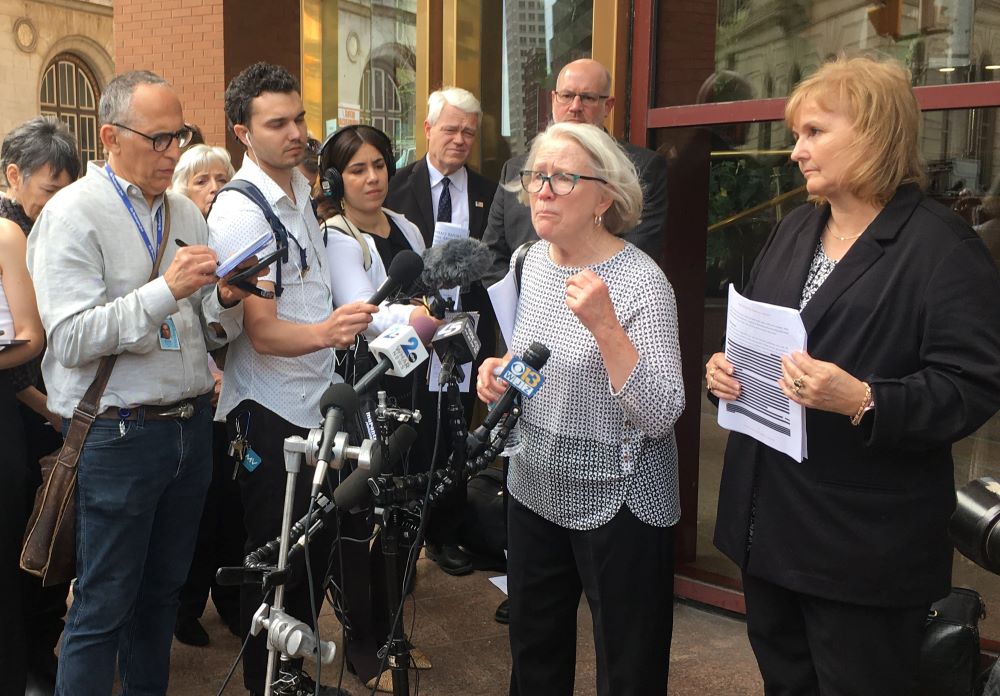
<point x="437" y="188"/>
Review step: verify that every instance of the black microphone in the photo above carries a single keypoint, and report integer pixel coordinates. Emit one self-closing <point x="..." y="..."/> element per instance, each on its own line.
<point x="354" y="490"/>
<point x="456" y="343"/>
<point x="338" y="403"/>
<point x="403" y="270"/>
<point x="453" y="263"/>
<point x="535" y="357"/>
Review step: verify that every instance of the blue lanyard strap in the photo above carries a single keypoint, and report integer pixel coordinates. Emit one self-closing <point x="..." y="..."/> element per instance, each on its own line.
<point x="135" y="217"/>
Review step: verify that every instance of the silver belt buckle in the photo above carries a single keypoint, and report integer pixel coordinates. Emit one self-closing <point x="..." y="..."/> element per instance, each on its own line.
<point x="182" y="411"/>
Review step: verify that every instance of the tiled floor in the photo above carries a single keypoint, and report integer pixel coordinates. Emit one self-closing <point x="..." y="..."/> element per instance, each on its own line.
<point x="455" y="627"/>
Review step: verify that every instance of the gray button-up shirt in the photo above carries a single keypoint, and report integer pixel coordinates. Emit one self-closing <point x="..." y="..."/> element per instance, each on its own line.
<point x="91" y="272"/>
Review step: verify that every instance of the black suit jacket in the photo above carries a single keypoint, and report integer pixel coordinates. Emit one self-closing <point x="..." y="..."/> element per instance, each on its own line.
<point x="913" y="309"/>
<point x="410" y="194"/>
<point x="510" y="220"/>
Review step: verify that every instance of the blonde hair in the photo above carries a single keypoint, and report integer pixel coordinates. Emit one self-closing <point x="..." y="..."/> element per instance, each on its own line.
<point x="195" y="159"/>
<point x="607" y="161"/>
<point x="876" y="96"/>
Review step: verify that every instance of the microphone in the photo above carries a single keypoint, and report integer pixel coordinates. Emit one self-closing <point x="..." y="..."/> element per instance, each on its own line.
<point x="399" y="351"/>
<point x="455" y="262"/>
<point x="353" y="490"/>
<point x="338" y="403"/>
<point x="403" y="271"/>
<point x="523" y="378"/>
<point x="456" y="343"/>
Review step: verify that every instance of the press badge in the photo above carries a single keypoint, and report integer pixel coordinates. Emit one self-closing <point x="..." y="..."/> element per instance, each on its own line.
<point x="169" y="340"/>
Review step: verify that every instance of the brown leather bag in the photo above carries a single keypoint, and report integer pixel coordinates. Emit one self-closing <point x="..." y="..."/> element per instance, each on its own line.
<point x="49" y="550"/>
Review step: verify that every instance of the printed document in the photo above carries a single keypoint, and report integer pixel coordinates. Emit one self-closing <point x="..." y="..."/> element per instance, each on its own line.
<point x="757" y="335"/>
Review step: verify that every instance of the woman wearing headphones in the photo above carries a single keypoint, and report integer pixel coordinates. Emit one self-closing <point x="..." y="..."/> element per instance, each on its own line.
<point x="361" y="240"/>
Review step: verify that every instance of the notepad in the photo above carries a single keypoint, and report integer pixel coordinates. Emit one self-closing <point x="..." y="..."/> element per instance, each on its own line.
<point x="241" y="255"/>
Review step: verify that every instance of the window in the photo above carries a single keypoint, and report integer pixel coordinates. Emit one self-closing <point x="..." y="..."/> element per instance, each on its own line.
<point x="70" y="93"/>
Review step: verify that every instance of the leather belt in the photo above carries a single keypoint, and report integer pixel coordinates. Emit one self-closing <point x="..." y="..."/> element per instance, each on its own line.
<point x="180" y="410"/>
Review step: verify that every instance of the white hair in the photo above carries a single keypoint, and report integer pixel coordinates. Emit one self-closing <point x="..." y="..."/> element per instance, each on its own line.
<point x="461" y="99"/>
<point x="607" y="161"/>
<point x="195" y="159"/>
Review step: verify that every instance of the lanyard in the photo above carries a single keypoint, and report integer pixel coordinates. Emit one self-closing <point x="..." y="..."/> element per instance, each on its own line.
<point x="135" y="217"/>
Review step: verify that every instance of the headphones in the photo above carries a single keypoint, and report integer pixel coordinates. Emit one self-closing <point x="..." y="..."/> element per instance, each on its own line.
<point x="330" y="180"/>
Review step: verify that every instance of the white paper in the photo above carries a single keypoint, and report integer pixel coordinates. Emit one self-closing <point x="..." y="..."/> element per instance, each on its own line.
<point x="503" y="297"/>
<point x="445" y="231"/>
<point x="243" y="254"/>
<point x="757" y="335"/>
<point x="501" y="582"/>
<point x="435" y="369"/>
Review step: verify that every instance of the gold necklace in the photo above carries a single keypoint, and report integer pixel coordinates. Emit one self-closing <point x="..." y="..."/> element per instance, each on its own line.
<point x="843" y="239"/>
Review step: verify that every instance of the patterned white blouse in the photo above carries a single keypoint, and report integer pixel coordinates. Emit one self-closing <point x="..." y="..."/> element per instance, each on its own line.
<point x="586" y="448"/>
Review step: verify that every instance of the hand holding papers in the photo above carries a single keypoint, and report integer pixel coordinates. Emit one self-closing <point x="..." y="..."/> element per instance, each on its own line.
<point x="757" y="335"/>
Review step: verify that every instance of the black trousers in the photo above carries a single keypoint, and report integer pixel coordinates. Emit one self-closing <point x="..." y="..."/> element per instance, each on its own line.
<point x="625" y="569"/>
<point x="12" y="522"/>
<point x="809" y="646"/>
<point x="263" y="493"/>
<point x="221" y="539"/>
<point x="44" y="607"/>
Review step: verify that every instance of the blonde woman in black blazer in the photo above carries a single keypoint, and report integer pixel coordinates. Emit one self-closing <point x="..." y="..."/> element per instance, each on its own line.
<point x="842" y="554"/>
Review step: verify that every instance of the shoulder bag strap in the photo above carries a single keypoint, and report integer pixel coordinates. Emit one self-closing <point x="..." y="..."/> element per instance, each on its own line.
<point x="519" y="254"/>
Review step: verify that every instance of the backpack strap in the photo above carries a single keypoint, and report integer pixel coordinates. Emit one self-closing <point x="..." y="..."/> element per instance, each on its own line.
<point x="345" y="226"/>
<point x="249" y="190"/>
<point x="519" y="254"/>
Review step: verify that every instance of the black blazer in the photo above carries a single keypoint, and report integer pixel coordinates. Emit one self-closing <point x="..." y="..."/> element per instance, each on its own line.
<point x="510" y="220"/>
<point x="410" y="194"/>
<point x="913" y="308"/>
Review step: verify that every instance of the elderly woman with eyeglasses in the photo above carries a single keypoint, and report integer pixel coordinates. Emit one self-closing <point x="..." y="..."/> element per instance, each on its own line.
<point x="594" y="486"/>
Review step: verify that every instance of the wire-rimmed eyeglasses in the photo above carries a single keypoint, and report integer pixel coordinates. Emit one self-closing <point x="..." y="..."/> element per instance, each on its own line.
<point x="587" y="98"/>
<point x="560" y="183"/>
<point x="161" y="141"/>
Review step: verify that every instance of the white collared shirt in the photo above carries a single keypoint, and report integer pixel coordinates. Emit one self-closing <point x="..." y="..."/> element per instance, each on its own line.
<point x="290" y="387"/>
<point x="459" y="193"/>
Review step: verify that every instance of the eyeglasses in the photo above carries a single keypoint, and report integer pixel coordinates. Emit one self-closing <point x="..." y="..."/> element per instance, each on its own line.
<point x="313" y="146"/>
<point x="161" y="141"/>
<point x="586" y="98"/>
<point x="560" y="183"/>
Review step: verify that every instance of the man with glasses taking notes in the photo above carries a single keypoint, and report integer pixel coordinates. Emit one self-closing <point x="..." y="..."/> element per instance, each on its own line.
<point x="146" y="462"/>
<point x="582" y="95"/>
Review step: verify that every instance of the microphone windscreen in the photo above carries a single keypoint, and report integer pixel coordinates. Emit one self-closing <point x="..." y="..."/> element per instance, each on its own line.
<point x="342" y="396"/>
<point x="424" y="326"/>
<point x="456" y="262"/>
<point x="406" y="267"/>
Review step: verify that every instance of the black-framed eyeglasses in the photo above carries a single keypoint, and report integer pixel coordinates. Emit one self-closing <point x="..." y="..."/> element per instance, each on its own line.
<point x="161" y="141"/>
<point x="587" y="98"/>
<point x="560" y="183"/>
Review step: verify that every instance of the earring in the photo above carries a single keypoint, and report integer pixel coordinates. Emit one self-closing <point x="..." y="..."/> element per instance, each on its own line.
<point x="598" y="220"/>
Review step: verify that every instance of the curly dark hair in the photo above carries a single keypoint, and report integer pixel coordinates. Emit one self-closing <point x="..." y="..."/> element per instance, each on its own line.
<point x="250" y="84"/>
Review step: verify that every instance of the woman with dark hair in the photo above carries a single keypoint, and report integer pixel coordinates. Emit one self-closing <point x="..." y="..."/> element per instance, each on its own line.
<point x="362" y="239"/>
<point x="843" y="553"/>
<point x="38" y="158"/>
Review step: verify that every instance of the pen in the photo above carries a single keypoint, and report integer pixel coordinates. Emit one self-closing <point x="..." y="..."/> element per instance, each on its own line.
<point x="180" y="242"/>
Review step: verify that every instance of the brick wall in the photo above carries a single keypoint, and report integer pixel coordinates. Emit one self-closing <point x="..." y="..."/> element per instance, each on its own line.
<point x="181" y="40"/>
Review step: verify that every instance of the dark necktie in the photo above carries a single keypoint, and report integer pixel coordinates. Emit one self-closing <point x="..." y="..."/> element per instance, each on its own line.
<point x="444" y="203"/>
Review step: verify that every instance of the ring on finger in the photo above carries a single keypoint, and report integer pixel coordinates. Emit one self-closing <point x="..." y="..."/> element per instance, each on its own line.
<point x="797" y="383"/>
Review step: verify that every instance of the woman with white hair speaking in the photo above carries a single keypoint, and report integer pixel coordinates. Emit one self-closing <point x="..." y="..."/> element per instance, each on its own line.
<point x="594" y="486"/>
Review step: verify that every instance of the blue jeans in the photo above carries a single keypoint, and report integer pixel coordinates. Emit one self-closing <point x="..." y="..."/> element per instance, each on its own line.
<point x="139" y="501"/>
